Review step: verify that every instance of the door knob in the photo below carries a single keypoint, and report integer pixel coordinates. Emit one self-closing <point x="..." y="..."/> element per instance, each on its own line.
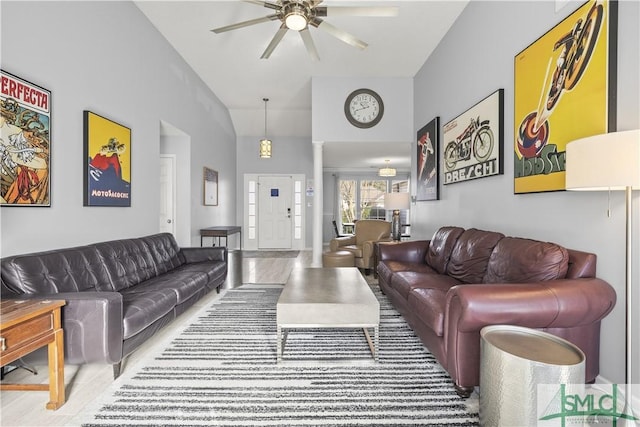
<point x="168" y="221"/>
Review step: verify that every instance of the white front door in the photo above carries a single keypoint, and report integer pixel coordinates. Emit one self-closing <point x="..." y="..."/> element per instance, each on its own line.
<point x="275" y="204"/>
<point x="167" y="194"/>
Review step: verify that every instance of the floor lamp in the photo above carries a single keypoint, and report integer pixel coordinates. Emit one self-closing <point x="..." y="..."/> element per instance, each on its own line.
<point x="396" y="202"/>
<point x="610" y="161"/>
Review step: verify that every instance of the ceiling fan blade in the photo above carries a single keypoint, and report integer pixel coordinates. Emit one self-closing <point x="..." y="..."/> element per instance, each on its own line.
<point x="246" y="23"/>
<point x="274" y="42"/>
<point x="309" y="44"/>
<point x="338" y="33"/>
<point x="356" y="11"/>
<point x="265" y="4"/>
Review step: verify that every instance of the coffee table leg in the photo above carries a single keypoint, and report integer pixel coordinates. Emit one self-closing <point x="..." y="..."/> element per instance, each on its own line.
<point x="376" y="341"/>
<point x="279" y="344"/>
<point x="373" y="345"/>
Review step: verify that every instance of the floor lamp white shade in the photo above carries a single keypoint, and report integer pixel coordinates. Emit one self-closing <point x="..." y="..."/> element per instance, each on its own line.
<point x="605" y="162"/>
<point x="395" y="202"/>
<point x="609" y="161"/>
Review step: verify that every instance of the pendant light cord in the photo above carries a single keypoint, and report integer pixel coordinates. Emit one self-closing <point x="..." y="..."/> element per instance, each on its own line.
<point x="265" y="116"/>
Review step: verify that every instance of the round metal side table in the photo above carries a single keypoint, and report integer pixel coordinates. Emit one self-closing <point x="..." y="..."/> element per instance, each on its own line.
<point x="514" y="361"/>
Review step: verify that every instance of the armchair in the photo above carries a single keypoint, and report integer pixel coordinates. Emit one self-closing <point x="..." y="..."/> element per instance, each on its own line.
<point x="366" y="233"/>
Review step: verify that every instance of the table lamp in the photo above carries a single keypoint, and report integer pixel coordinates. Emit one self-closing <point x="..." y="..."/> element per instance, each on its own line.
<point x="395" y="202"/>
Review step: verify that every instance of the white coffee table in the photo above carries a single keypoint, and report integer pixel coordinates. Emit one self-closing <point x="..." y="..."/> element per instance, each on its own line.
<point x="327" y="298"/>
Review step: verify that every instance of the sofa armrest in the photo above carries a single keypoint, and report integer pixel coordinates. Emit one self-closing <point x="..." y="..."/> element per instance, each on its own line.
<point x="337" y="242"/>
<point x="563" y="303"/>
<point x="412" y="251"/>
<point x="196" y="254"/>
<point x="569" y="308"/>
<point x="92" y="324"/>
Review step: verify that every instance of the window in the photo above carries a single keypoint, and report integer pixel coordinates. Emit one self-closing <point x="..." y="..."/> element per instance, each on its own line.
<point x="363" y="198"/>
<point x="347" y="201"/>
<point x="372" y="199"/>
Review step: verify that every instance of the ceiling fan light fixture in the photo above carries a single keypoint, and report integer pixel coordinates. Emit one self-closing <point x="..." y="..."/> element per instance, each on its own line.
<point x="296" y="19"/>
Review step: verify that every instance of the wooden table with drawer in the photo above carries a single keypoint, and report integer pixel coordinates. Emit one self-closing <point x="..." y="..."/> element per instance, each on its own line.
<point x="25" y="326"/>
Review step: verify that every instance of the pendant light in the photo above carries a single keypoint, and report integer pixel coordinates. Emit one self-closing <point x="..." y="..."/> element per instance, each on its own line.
<point x="386" y="171"/>
<point x="265" y="143"/>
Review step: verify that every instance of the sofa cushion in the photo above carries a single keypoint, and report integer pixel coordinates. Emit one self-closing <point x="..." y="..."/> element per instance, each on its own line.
<point x="142" y="305"/>
<point x="386" y="269"/>
<point x="404" y="282"/>
<point x="517" y="260"/>
<point x="440" y="247"/>
<point x="428" y="305"/>
<point x="65" y="270"/>
<point x="470" y="255"/>
<point x="129" y="262"/>
<point x="164" y="251"/>
<point x="216" y="272"/>
<point x="184" y="282"/>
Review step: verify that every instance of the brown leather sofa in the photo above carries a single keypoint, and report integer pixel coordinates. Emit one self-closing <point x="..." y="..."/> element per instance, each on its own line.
<point x="366" y="233"/>
<point x="450" y="287"/>
<point x="119" y="293"/>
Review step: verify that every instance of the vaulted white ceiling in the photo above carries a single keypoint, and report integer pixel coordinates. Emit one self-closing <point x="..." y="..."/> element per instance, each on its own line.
<point x="229" y="63"/>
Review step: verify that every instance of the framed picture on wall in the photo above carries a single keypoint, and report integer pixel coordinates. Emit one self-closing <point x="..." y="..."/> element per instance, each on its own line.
<point x="210" y="187"/>
<point x="427" y="165"/>
<point x="107" y="165"/>
<point x="473" y="142"/>
<point x="25" y="143"/>
<point x="564" y="89"/>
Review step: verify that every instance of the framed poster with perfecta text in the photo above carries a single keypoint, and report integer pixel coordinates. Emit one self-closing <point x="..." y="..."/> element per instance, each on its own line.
<point x="25" y="143"/>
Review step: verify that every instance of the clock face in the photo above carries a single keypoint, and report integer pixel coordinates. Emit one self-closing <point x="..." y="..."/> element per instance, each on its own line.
<point x="364" y="108"/>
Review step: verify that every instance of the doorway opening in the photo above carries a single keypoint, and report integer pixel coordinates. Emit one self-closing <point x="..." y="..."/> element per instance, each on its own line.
<point x="174" y="192"/>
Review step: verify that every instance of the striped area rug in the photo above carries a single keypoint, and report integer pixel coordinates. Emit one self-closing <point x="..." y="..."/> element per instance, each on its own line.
<point x="221" y="371"/>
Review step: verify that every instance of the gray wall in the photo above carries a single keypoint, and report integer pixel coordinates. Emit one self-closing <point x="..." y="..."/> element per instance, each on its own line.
<point x="290" y="155"/>
<point x="330" y="124"/>
<point x="475" y="59"/>
<point x="107" y="57"/>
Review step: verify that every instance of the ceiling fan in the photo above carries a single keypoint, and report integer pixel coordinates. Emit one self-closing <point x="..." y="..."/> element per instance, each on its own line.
<point x="299" y="15"/>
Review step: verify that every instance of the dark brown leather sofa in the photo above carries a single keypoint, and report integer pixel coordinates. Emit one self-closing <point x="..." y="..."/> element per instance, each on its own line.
<point x="450" y="287"/>
<point x="117" y="293"/>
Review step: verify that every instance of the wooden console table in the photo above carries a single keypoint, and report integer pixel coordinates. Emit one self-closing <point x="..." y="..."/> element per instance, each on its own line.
<point x="25" y="326"/>
<point x="221" y="231"/>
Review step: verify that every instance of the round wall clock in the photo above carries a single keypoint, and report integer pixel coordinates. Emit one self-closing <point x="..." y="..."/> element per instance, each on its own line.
<point x="364" y="108"/>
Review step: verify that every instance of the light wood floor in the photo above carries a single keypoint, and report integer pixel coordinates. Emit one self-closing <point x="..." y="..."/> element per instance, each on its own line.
<point x="85" y="383"/>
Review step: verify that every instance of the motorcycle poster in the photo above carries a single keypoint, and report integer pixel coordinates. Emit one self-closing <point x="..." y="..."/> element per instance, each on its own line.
<point x="561" y="93"/>
<point x="472" y="143"/>
<point x="25" y="142"/>
<point x="107" y="168"/>
<point x="428" y="179"/>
